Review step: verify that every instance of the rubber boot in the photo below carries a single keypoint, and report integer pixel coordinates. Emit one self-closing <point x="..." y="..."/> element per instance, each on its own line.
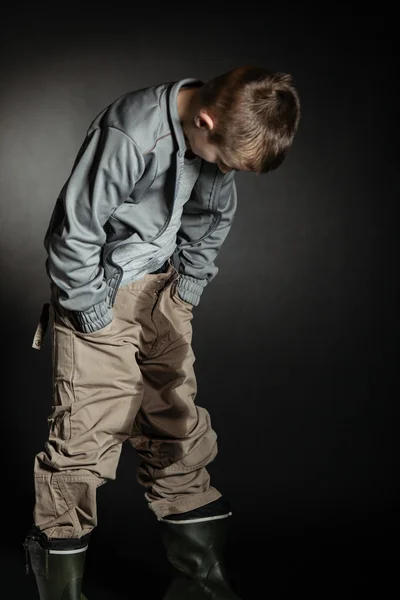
<point x="195" y="547"/>
<point x="57" y="564"/>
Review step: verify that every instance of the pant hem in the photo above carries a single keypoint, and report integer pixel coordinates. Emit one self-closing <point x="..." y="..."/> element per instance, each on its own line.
<point x="199" y="520"/>
<point x="162" y="508"/>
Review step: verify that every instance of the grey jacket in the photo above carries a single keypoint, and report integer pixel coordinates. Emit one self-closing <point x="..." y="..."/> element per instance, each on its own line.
<point x="122" y="189"/>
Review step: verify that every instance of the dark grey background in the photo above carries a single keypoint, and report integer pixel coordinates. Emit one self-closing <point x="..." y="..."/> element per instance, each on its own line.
<point x="296" y="337"/>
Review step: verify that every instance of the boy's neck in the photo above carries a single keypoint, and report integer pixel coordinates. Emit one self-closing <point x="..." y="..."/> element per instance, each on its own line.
<point x="185" y="102"/>
<point x="185" y="105"/>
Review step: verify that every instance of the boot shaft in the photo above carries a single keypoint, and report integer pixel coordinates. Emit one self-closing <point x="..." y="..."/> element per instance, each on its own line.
<point x="58" y="572"/>
<point x="197" y="552"/>
<point x="193" y="548"/>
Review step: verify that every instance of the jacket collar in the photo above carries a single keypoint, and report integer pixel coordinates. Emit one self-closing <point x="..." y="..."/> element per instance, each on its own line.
<point x="173" y="109"/>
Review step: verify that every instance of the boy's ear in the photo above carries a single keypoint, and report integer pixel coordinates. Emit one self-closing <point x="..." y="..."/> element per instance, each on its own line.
<point x="204" y="121"/>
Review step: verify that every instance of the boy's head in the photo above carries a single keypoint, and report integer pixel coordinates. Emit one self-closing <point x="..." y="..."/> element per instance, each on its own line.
<point x="245" y="119"/>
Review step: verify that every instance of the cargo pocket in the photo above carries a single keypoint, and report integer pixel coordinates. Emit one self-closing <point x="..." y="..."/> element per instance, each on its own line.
<point x="63" y="360"/>
<point x="60" y="423"/>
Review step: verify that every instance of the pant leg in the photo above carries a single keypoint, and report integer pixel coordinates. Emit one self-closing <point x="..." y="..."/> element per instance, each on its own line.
<point x="172" y="436"/>
<point x="97" y="392"/>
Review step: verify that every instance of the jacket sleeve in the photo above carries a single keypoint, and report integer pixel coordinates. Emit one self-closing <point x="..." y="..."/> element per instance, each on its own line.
<point x="103" y="176"/>
<point x="197" y="259"/>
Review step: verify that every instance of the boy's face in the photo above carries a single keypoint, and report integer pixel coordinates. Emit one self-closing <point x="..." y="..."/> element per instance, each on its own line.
<point x="199" y="144"/>
<point x="197" y="123"/>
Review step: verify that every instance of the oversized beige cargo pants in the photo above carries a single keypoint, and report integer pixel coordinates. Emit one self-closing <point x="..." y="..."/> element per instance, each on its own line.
<point x="133" y="380"/>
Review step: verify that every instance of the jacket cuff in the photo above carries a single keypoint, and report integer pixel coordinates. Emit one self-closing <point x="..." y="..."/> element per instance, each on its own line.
<point x="190" y="289"/>
<point x="95" y="318"/>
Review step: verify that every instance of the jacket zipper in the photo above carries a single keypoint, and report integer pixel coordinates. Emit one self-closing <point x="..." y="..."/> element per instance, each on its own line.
<point x="217" y="216"/>
<point x="213" y="226"/>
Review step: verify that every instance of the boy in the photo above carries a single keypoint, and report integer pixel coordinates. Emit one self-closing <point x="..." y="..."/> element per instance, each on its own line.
<point x="131" y="246"/>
